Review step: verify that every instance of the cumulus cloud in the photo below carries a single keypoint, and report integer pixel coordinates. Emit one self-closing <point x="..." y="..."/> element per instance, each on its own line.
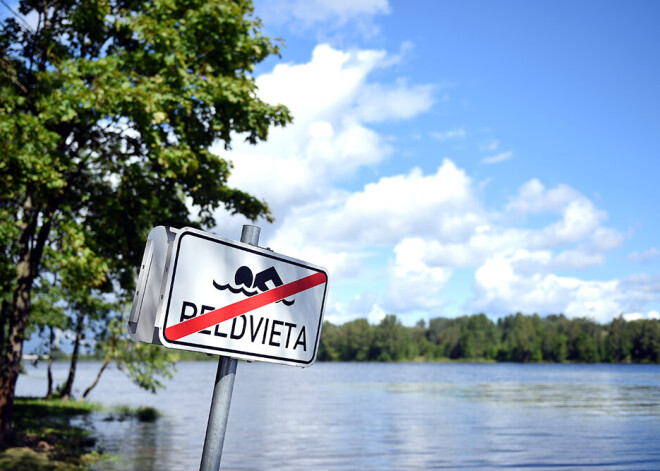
<point x="534" y="198"/>
<point x="413" y="285"/>
<point x="435" y="223"/>
<point x="571" y="259"/>
<point x="332" y="102"/>
<point x="378" y="103"/>
<point x="513" y="282"/>
<point x="315" y="11"/>
<point x="439" y="205"/>
<point x="636" y="316"/>
<point x="644" y="256"/>
<point x="606" y="238"/>
<point x="427" y="223"/>
<point x="456" y="133"/>
<point x="580" y="219"/>
<point x="304" y="15"/>
<point x="521" y="281"/>
<point x="495" y="159"/>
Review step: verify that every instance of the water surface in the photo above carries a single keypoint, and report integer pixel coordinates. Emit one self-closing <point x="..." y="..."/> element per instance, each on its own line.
<point x="371" y="416"/>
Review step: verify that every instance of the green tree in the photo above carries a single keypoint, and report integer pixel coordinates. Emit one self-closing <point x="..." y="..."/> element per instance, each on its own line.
<point x="445" y="334"/>
<point x="356" y="339"/>
<point x="584" y="341"/>
<point x="329" y="343"/>
<point x="618" y="343"/>
<point x="391" y="340"/>
<point x="522" y="338"/>
<point x="424" y="348"/>
<point x="484" y="337"/>
<point x="108" y="109"/>
<point x="47" y="315"/>
<point x="555" y="341"/>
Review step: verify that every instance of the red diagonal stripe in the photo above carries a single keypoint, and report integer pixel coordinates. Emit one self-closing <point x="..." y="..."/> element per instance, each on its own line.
<point x="222" y="314"/>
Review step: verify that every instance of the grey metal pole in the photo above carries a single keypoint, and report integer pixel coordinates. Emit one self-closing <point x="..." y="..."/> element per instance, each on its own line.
<point x="224" y="387"/>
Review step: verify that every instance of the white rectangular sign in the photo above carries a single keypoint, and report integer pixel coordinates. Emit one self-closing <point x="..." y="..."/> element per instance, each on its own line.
<point x="229" y="298"/>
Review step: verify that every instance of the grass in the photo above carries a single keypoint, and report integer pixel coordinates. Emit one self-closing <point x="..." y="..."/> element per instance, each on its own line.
<point x="143" y="414"/>
<point x="46" y="440"/>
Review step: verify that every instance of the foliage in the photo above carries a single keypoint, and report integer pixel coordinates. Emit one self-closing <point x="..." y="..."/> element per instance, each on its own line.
<point x="108" y="111"/>
<point x="146" y="365"/>
<point x="45" y="438"/>
<point x="517" y="338"/>
<point x="142" y="413"/>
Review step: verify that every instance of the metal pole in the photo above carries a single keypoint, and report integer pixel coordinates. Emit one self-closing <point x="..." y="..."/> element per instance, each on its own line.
<point x="224" y="386"/>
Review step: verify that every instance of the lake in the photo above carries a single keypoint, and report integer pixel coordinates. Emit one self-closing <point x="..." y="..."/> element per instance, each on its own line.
<point x="374" y="416"/>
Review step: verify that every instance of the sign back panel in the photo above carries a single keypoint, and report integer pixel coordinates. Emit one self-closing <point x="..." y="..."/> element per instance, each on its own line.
<point x="229" y="298"/>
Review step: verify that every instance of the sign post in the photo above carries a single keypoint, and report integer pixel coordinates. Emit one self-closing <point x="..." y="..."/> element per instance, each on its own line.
<point x="222" y="391"/>
<point x="200" y="292"/>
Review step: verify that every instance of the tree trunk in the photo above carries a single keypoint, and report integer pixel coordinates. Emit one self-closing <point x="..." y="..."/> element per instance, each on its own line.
<point x="3" y="327"/>
<point x="30" y="250"/>
<point x="68" y="386"/>
<point x="51" y="341"/>
<point x="106" y="362"/>
<point x="12" y="355"/>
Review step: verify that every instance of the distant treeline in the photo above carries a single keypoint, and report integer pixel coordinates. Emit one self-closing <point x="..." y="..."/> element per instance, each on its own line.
<point x="517" y="338"/>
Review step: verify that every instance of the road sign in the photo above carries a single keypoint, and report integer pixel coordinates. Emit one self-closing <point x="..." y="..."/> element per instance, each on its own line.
<point x="229" y="298"/>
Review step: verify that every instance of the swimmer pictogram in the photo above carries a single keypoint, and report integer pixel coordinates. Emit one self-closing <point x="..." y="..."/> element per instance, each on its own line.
<point x="245" y="280"/>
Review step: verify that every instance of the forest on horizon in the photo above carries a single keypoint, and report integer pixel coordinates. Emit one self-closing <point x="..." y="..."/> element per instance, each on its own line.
<point x="514" y="338"/>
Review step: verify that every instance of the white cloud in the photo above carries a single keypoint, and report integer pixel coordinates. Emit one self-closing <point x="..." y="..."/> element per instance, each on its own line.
<point x="495" y="159"/>
<point x="412" y="284"/>
<point x="381" y="103"/>
<point x="579" y="220"/>
<point x="314" y="11"/>
<point x="534" y="198"/>
<point x="503" y="287"/>
<point x="435" y="223"/>
<point x="332" y="14"/>
<point x="428" y="224"/>
<point x="644" y="256"/>
<point x="640" y="289"/>
<point x="655" y="315"/>
<point x="605" y="238"/>
<point x="521" y="281"/>
<point x="364" y="305"/>
<point x="332" y="102"/>
<point x="376" y="315"/>
<point x="456" y="133"/>
<point x="570" y="259"/>
<point x="439" y="205"/>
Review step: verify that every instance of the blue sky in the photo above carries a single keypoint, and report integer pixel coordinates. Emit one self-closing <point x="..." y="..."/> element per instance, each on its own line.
<point x="455" y="157"/>
<point x="449" y="158"/>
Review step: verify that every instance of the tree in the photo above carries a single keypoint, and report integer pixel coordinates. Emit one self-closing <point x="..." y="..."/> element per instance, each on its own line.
<point x="329" y="343"/>
<point x="391" y="340"/>
<point x="356" y="340"/>
<point x="522" y="338"/>
<point x="108" y="109"/>
<point x="47" y="315"/>
<point x="143" y="363"/>
<point x="618" y="342"/>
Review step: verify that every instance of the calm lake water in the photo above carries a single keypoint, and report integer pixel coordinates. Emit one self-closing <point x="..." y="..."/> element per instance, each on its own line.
<point x="374" y="416"/>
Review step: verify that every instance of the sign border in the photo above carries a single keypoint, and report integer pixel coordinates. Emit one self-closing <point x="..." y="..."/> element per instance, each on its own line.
<point x="257" y="251"/>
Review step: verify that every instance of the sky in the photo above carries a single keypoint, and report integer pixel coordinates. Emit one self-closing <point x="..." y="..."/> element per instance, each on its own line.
<point x="456" y="157"/>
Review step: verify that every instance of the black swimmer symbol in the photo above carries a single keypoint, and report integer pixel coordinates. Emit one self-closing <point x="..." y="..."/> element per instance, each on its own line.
<point x="245" y="278"/>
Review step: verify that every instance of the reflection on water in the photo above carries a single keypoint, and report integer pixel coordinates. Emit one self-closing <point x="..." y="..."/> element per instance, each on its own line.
<point x="592" y="398"/>
<point x="390" y="416"/>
